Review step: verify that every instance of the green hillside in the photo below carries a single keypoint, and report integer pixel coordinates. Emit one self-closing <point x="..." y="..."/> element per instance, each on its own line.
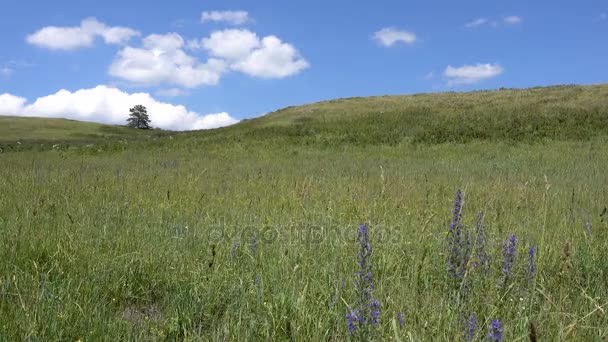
<point x="559" y="112"/>
<point x="32" y="130"/>
<point x="513" y="115"/>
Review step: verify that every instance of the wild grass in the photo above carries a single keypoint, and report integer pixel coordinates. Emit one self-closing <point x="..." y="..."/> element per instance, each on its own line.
<point x="250" y="232"/>
<point x="18" y="133"/>
<point x="157" y="244"/>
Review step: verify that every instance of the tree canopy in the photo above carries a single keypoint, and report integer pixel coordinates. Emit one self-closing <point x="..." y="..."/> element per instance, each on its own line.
<point x="138" y="117"/>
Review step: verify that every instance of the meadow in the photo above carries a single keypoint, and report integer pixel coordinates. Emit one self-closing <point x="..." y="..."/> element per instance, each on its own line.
<point x="252" y="232"/>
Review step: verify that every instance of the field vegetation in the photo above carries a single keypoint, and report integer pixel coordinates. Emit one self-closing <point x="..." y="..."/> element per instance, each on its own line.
<point x="484" y="217"/>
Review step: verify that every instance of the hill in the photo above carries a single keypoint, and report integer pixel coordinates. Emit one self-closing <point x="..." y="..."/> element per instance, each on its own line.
<point x="32" y="130"/>
<point x="562" y="113"/>
<point x="557" y="112"/>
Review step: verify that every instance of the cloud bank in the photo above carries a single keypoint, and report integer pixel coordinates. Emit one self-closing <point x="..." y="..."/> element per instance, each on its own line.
<point x="161" y="59"/>
<point x="110" y="105"/>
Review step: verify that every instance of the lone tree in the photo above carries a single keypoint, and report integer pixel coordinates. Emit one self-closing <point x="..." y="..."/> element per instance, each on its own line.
<point x="139" y="117"/>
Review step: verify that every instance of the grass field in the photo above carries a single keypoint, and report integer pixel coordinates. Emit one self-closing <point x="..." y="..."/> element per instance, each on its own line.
<point x="45" y="131"/>
<point x="251" y="232"/>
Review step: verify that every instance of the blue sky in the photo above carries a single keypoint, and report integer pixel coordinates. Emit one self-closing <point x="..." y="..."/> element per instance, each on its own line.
<point x="239" y="59"/>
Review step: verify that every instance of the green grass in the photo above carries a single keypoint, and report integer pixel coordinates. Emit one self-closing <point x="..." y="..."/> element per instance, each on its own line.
<point x="50" y="131"/>
<point x="136" y="242"/>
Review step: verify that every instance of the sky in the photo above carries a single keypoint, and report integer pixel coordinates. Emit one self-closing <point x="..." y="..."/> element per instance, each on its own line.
<point x="201" y="64"/>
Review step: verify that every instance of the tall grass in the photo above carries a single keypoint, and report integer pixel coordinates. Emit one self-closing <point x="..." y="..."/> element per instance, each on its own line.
<point x="158" y="243"/>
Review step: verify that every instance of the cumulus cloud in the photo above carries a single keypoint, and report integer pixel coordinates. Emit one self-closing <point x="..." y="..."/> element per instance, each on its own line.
<point x="245" y="52"/>
<point x="476" y="22"/>
<point x="390" y="35"/>
<point x="69" y="38"/>
<point x="163" y="60"/>
<point x="271" y="59"/>
<point x="11" y="104"/>
<point x="231" y="44"/>
<point x="471" y="74"/>
<point x="110" y="105"/>
<point x="229" y="17"/>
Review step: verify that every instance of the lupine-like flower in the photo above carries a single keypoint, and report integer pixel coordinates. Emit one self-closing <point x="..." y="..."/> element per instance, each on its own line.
<point x="401" y="319"/>
<point x="353" y="320"/>
<point x="471" y="328"/>
<point x="531" y="265"/>
<point x="482" y="259"/>
<point x="374" y="312"/>
<point x="508" y="257"/>
<point x="457" y="256"/>
<point x="367" y="312"/>
<point x="495" y="331"/>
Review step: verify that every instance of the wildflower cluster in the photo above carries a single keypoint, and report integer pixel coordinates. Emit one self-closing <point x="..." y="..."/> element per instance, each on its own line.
<point x="366" y="313"/>
<point x="458" y="242"/>
<point x="508" y="258"/>
<point x="482" y="259"/>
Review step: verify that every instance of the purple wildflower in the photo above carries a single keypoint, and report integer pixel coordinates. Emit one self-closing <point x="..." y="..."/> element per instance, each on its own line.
<point x="531" y="265"/>
<point x="508" y="257"/>
<point x="401" y="319"/>
<point x="495" y="331"/>
<point x="374" y="312"/>
<point x="367" y="312"/>
<point x="352" y="320"/>
<point x="482" y="259"/>
<point x="456" y="243"/>
<point x="471" y="328"/>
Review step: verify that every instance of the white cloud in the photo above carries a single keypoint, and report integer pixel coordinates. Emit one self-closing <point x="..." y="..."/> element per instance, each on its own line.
<point x="471" y="74"/>
<point x="162" y="60"/>
<point x="69" y="38"/>
<point x="507" y="20"/>
<point x="476" y="22"/>
<point x="512" y="19"/>
<point x="6" y="71"/>
<point x="268" y="57"/>
<point x="390" y="35"/>
<point x="172" y="92"/>
<point x="230" y="17"/>
<point x="272" y="59"/>
<point x="11" y="104"/>
<point x="231" y="44"/>
<point x="111" y="105"/>
<point x="429" y="76"/>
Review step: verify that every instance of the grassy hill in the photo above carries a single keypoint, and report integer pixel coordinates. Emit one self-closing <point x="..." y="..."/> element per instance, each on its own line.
<point x="559" y="113"/>
<point x="32" y="130"/>
<point x="512" y="115"/>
